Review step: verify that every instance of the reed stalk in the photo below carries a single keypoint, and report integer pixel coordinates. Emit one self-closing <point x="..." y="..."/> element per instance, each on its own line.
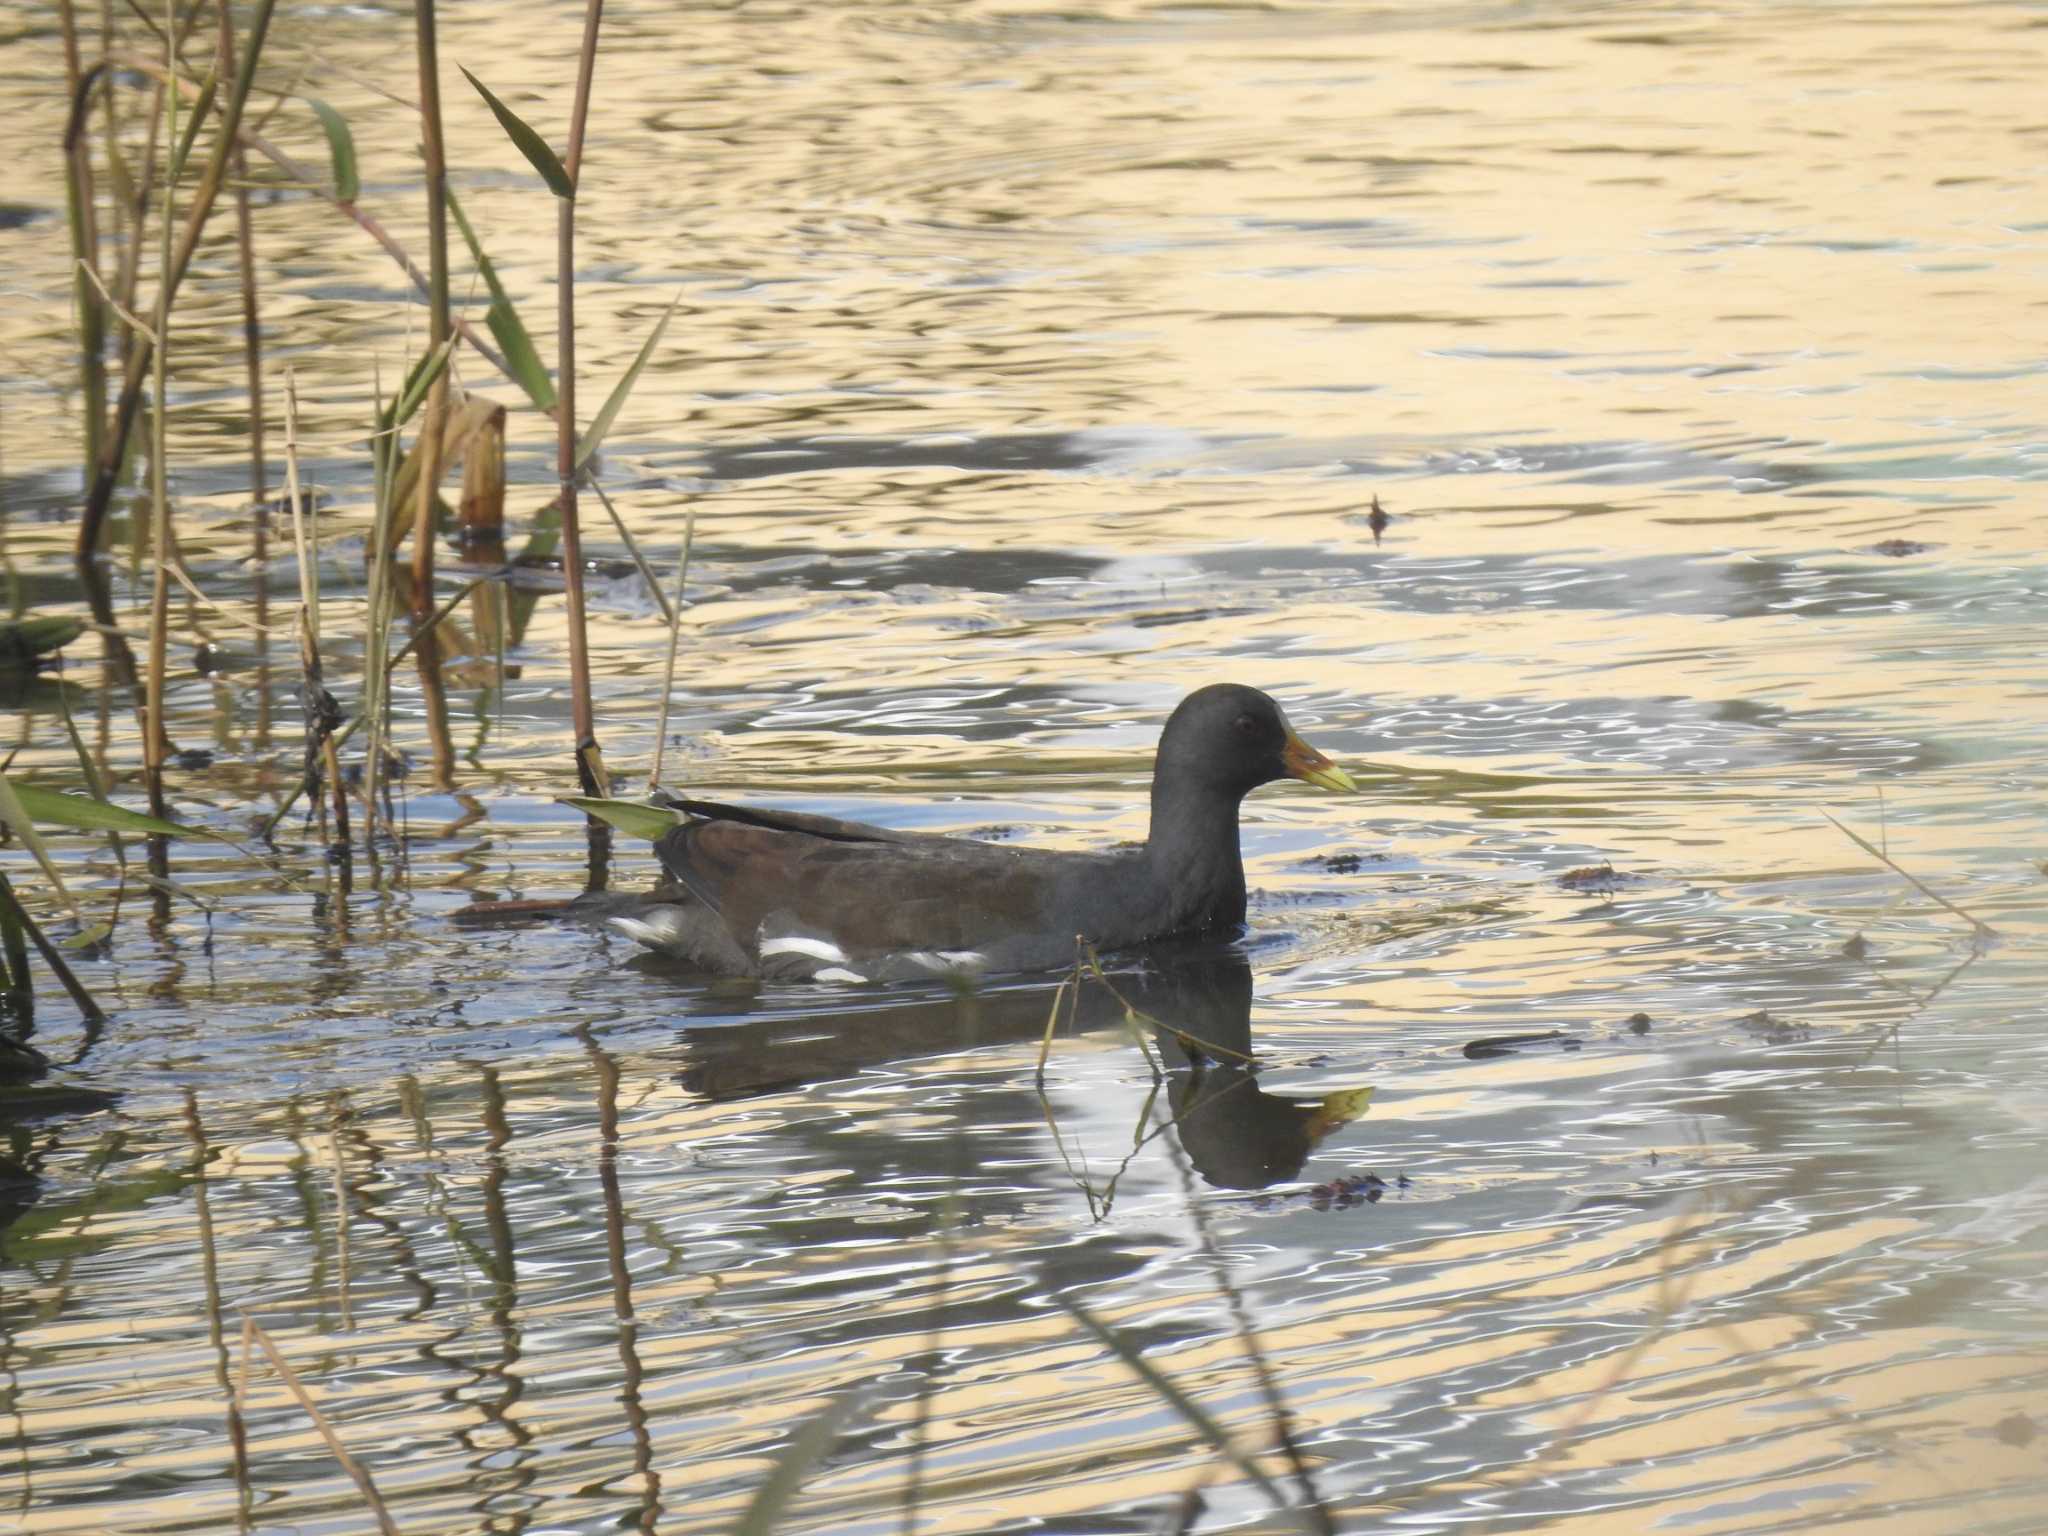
<point x="384" y="455"/>
<point x="589" y="761"/>
<point x="432" y="428"/>
<point x="155" y="739"/>
<point x="322" y="715"/>
<point x="252" y="352"/>
<point x="304" y="179"/>
<point x="82" y="206"/>
<point x="177" y="260"/>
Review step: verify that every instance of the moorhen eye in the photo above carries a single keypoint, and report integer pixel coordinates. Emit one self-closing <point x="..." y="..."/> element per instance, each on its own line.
<point x="1247" y="726"/>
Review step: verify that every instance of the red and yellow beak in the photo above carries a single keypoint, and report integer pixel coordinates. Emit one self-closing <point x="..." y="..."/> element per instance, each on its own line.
<point x="1303" y="761"/>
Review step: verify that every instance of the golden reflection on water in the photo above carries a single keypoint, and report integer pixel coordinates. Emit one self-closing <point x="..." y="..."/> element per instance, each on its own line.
<point x="1032" y="366"/>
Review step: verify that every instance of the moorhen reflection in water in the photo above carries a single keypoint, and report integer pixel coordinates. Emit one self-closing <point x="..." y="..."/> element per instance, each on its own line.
<point x="1198" y="996"/>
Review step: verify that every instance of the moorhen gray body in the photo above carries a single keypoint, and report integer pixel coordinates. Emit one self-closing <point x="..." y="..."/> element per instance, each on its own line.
<point x="795" y="897"/>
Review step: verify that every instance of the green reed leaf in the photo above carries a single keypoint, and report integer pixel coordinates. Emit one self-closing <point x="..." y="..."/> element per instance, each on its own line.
<point x="341" y="151"/>
<point x="503" y="318"/>
<point x="602" y="423"/>
<point x="530" y="144"/>
<point x="53" y="808"/>
<point x="629" y="816"/>
<point x="21" y="821"/>
<point x="521" y="356"/>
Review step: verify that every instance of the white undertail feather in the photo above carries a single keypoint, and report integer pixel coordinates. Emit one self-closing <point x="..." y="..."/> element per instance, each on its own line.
<point x="837" y="973"/>
<point x="659" y="929"/>
<point x="950" y="962"/>
<point x="817" y="949"/>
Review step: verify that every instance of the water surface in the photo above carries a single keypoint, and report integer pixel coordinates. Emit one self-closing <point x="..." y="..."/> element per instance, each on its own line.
<point x="1031" y="367"/>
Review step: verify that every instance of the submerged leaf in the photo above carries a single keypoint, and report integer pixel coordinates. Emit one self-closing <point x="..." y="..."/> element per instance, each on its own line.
<point x="341" y="151"/>
<point x="531" y="144"/>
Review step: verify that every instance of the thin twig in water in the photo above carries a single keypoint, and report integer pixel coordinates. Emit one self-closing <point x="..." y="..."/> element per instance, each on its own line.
<point x="134" y="321"/>
<point x="1921" y="1003"/>
<point x="668" y="614"/>
<point x="358" y="1474"/>
<point x="1248" y="1338"/>
<point x="1913" y="880"/>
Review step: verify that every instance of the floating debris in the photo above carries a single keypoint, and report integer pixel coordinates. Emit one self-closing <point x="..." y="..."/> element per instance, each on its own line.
<point x="1775" y="1030"/>
<point x="1508" y="1045"/>
<point x="1602" y="878"/>
<point x="1358" y="1189"/>
<point x="1344" y="863"/>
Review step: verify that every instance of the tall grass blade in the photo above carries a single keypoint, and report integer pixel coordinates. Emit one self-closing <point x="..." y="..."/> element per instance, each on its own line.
<point x="80" y="206"/>
<point x="341" y="151"/>
<point x="484" y="266"/>
<point x="808" y="1446"/>
<point x="530" y="144"/>
<point x="1919" y="885"/>
<point x="434" y="621"/>
<point x="668" y="614"/>
<point x="156" y="736"/>
<point x="602" y="422"/>
<point x="93" y="515"/>
<point x="402" y="474"/>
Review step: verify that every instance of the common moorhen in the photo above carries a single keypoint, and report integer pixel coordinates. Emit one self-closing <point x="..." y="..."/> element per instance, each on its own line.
<point x="795" y="897"/>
